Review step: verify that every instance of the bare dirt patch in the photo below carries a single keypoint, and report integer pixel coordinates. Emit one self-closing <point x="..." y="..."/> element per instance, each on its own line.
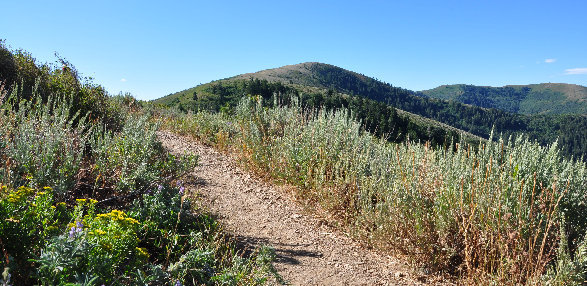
<point x="257" y="212"/>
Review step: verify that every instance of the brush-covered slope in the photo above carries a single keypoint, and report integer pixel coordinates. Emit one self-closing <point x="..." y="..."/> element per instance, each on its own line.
<point x="544" y="98"/>
<point x="333" y="86"/>
<point x="304" y="77"/>
<point x="313" y="74"/>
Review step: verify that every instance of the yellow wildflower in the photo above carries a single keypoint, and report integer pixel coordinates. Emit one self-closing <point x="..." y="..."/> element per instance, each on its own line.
<point x="142" y="252"/>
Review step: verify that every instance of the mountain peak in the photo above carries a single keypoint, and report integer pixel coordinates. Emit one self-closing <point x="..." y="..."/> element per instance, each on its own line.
<point x="284" y="72"/>
<point x="314" y="74"/>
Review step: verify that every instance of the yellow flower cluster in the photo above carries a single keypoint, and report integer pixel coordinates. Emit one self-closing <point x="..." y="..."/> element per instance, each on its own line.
<point x="60" y="205"/>
<point x="83" y="201"/>
<point x="97" y="232"/>
<point x="142" y="252"/>
<point x="45" y="191"/>
<point x="21" y="194"/>
<point x="119" y="216"/>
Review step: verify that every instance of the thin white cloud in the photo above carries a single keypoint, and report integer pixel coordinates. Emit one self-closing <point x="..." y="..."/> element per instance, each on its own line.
<point x="576" y="71"/>
<point x="550" y="61"/>
<point x="123" y="79"/>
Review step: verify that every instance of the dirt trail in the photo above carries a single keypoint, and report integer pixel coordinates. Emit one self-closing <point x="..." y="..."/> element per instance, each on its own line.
<point x="257" y="212"/>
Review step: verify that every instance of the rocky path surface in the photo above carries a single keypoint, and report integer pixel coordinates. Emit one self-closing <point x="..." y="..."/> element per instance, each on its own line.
<point x="256" y="212"/>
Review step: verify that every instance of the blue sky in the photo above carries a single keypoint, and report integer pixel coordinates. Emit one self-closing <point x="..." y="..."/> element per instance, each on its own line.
<point x="153" y="48"/>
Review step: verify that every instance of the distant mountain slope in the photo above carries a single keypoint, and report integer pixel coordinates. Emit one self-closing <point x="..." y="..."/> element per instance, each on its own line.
<point x="327" y="76"/>
<point x="544" y="98"/>
<point x="324" y="84"/>
<point x="314" y="85"/>
<point x="311" y="74"/>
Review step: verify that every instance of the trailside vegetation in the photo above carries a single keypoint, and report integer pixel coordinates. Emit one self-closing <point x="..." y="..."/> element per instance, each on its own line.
<point x="88" y="195"/>
<point x="505" y="211"/>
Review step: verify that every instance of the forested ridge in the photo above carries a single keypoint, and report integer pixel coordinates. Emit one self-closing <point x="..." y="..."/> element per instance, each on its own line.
<point x="377" y="117"/>
<point x="544" y="98"/>
<point x="322" y="84"/>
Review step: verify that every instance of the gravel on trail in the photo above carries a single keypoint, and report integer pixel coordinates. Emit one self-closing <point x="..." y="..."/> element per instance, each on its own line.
<point x="257" y="213"/>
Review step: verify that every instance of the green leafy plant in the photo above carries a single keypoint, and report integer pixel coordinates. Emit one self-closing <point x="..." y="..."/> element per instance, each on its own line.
<point x="100" y="248"/>
<point x="28" y="217"/>
<point x="190" y="244"/>
<point x="64" y="259"/>
<point x="568" y="270"/>
<point x="115" y="235"/>
<point x="196" y="266"/>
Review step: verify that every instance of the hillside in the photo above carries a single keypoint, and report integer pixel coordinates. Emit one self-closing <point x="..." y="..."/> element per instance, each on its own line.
<point x="305" y="77"/>
<point x="544" y="98"/>
<point x="336" y="87"/>
<point x="309" y="83"/>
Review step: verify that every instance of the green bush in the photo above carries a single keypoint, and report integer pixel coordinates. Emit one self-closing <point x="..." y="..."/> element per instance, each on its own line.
<point x="114" y="235"/>
<point x="134" y="158"/>
<point x="42" y="146"/>
<point x="190" y="244"/>
<point x="96" y="248"/>
<point x="26" y="79"/>
<point x="64" y="260"/>
<point x="196" y="266"/>
<point x="169" y="227"/>
<point x="7" y="66"/>
<point x="250" y="272"/>
<point x="568" y="270"/>
<point x="27" y="217"/>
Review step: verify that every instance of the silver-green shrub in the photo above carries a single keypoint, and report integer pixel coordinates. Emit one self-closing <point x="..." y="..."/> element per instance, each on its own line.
<point x="42" y="145"/>
<point x="128" y="159"/>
